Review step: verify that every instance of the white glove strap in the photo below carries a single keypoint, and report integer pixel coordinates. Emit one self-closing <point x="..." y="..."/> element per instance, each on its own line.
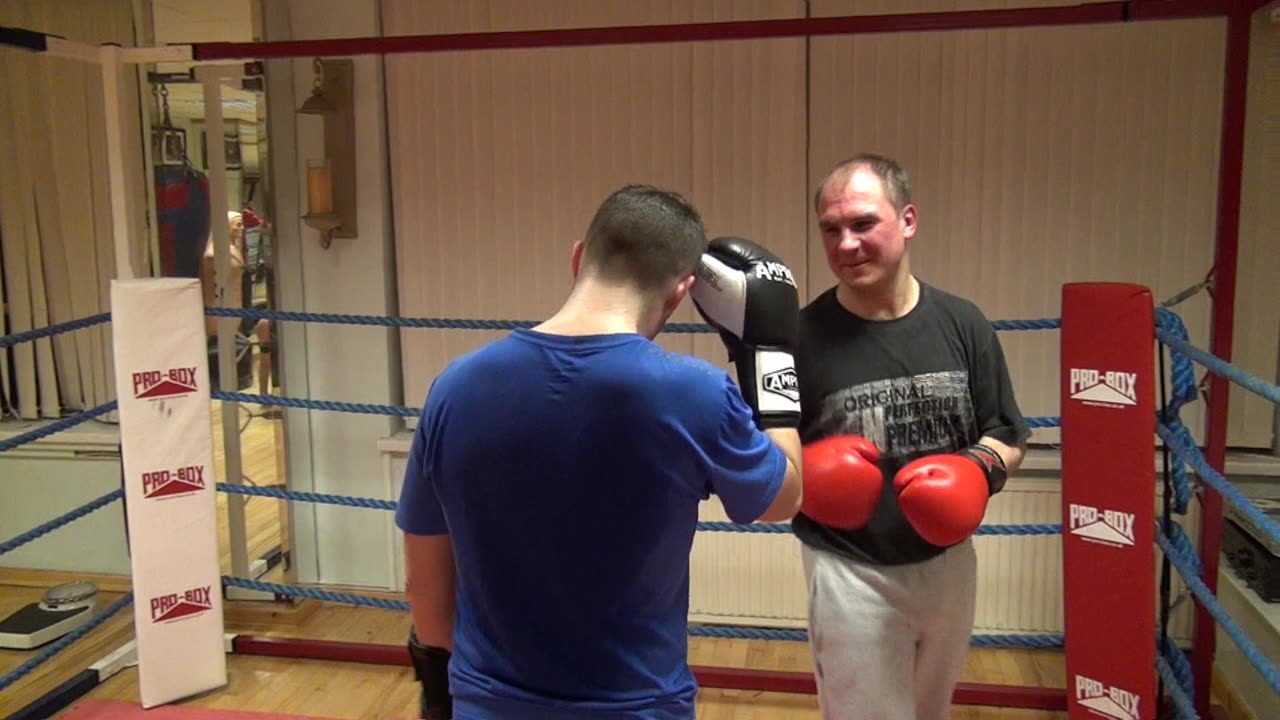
<point x="776" y="388"/>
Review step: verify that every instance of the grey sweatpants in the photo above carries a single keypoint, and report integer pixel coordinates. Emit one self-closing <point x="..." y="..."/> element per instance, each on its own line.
<point x="889" y="642"/>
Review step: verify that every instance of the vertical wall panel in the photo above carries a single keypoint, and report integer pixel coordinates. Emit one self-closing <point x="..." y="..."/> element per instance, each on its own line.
<point x="1257" y="322"/>
<point x="499" y="159"/>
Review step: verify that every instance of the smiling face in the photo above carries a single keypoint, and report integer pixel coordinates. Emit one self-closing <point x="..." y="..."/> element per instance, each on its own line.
<point x="863" y="234"/>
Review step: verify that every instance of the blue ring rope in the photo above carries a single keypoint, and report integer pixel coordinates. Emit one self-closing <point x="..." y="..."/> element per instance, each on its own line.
<point x="280" y="400"/>
<point x="479" y="324"/>
<point x="1220" y="367"/>
<point x="1188" y="567"/>
<point x="1192" y="455"/>
<point x="402" y="411"/>
<point x="40" y="530"/>
<point x="56" y="427"/>
<point x="704" y="526"/>
<point x="722" y="631"/>
<point x="1183" y="706"/>
<point x="28" y="335"/>
<point x="13" y="339"/>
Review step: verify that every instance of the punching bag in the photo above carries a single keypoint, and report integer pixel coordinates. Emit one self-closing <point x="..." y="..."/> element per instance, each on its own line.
<point x="182" y="216"/>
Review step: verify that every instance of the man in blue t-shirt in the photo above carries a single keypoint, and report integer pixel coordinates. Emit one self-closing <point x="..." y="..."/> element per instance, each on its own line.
<point x="552" y="490"/>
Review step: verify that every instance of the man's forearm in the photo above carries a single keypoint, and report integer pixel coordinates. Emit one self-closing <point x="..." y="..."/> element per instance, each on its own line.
<point x="789" y="498"/>
<point x="787" y="440"/>
<point x="429" y="587"/>
<point x="433" y="618"/>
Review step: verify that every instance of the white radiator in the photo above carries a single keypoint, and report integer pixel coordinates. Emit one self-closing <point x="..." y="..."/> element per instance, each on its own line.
<point x="758" y="579"/>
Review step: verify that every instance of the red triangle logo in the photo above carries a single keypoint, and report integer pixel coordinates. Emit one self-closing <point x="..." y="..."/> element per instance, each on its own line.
<point x="181" y="610"/>
<point x="165" y="388"/>
<point x="175" y="487"/>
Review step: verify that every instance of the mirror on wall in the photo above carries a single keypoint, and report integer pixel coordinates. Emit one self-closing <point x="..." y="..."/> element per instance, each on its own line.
<point x="181" y="147"/>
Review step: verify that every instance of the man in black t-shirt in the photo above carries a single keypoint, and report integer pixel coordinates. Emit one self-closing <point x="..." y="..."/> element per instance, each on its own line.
<point x="918" y="374"/>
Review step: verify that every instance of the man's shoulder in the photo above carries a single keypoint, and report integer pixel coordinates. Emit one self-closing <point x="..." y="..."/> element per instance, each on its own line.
<point x="677" y="369"/>
<point x="466" y="367"/>
<point x="963" y="310"/>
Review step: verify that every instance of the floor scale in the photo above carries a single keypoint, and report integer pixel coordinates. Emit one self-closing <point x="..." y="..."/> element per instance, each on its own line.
<point x="63" y="609"/>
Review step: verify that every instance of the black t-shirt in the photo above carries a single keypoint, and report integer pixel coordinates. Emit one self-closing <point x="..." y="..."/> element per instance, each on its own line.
<point x="932" y="381"/>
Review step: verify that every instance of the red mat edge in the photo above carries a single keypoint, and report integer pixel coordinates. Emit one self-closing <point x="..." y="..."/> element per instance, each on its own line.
<point x="98" y="709"/>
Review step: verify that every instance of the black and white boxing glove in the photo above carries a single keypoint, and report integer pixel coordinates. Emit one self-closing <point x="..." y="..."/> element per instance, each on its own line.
<point x="749" y="295"/>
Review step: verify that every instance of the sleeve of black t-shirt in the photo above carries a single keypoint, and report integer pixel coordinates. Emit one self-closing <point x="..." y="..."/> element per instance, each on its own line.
<point x="994" y="403"/>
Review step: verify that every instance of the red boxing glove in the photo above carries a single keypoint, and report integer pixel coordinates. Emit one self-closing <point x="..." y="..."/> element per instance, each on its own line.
<point x="943" y="497"/>
<point x="842" y="482"/>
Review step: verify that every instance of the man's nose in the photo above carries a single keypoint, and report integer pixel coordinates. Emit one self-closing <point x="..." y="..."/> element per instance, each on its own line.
<point x="849" y="240"/>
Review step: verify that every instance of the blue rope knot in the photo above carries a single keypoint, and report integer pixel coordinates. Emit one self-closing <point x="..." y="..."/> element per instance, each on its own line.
<point x="1169" y="326"/>
<point x="1173" y="335"/>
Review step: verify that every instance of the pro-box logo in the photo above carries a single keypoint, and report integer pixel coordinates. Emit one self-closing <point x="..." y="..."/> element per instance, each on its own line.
<point x="1109" y="388"/>
<point x="1106" y="701"/>
<point x="1107" y="527"/>
<point x="782" y="382"/>
<point x="156" y="384"/>
<point x="178" y="606"/>
<point x="173" y="483"/>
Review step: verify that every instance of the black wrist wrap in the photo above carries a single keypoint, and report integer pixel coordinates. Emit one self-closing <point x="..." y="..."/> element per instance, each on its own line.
<point x="992" y="465"/>
<point x="431" y="669"/>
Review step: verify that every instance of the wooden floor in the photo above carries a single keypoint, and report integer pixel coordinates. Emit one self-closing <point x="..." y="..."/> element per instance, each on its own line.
<point x="347" y="690"/>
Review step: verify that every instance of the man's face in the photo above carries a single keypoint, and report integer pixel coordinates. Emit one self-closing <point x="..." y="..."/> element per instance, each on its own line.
<point x="863" y="236"/>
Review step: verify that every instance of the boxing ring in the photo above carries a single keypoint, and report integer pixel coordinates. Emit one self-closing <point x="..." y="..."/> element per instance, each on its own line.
<point x="1164" y="668"/>
<point x="1081" y="305"/>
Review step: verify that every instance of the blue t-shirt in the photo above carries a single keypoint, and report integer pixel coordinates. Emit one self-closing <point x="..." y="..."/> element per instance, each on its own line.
<point x="567" y="471"/>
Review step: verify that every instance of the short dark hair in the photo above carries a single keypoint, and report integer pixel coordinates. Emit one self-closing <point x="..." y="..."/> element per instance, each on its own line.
<point x="896" y="182"/>
<point x="644" y="236"/>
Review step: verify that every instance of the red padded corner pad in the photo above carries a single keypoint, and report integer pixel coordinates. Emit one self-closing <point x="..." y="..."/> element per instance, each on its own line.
<point x="1108" y="499"/>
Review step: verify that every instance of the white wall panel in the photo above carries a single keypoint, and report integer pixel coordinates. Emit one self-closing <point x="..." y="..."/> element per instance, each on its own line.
<point x="499" y="159"/>
<point x="1040" y="156"/>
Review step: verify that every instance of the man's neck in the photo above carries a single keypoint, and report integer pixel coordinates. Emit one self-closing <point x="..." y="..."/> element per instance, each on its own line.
<point x="594" y="309"/>
<point x="890" y="303"/>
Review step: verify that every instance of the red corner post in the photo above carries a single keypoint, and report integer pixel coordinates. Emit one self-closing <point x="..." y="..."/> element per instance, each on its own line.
<point x="1108" y="482"/>
<point x="1230" y="172"/>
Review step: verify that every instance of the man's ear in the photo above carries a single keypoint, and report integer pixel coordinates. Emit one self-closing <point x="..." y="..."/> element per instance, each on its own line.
<point x="678" y="293"/>
<point x="909" y="221"/>
<point x="575" y="258"/>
